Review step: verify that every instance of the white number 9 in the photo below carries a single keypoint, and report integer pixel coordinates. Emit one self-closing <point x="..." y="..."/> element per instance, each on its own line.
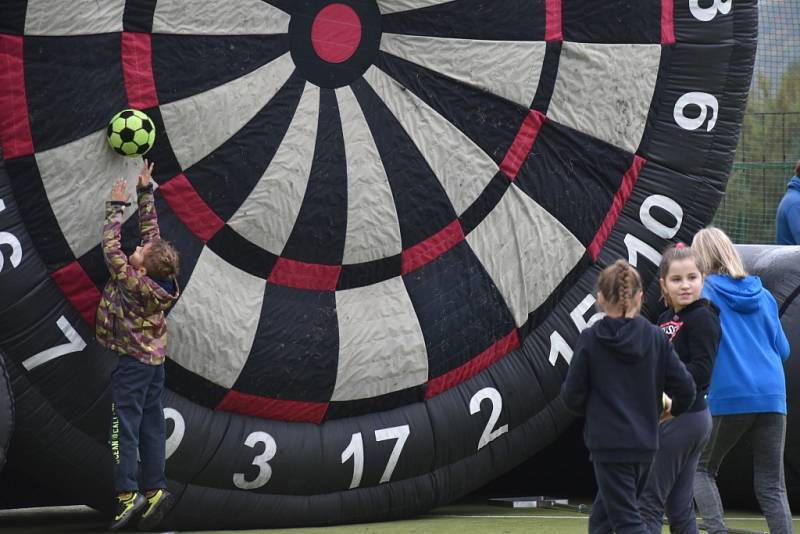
<point x="705" y="102"/>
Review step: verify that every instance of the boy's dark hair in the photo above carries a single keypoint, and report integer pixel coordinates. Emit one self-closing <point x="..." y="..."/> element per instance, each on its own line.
<point x="162" y="260"/>
<point x="619" y="283"/>
<point x="797" y="168"/>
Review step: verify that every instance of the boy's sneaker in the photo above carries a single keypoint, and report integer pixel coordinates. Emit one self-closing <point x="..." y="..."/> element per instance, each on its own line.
<point x="158" y="504"/>
<point x="128" y="506"/>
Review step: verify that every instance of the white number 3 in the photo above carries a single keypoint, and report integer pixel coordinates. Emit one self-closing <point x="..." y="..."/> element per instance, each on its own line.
<point x="260" y="461"/>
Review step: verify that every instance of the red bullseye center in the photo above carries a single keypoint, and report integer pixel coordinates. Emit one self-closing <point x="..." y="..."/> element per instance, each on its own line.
<point x="336" y="33"/>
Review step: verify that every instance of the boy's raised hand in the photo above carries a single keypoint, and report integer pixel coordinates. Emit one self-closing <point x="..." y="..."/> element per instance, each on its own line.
<point x="147" y="174"/>
<point x="119" y="191"/>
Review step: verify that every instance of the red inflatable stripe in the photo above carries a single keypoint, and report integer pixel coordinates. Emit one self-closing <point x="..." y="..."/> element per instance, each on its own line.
<point x="266" y="408"/>
<point x="553" y="31"/>
<point x="423" y="253"/>
<point x="137" y="70"/>
<point x="79" y="290"/>
<point x="190" y="208"/>
<point x="301" y="275"/>
<point x="667" y="22"/>
<point x="522" y="145"/>
<point x="474" y="366"/>
<point x="623" y="193"/>
<point x="15" y="130"/>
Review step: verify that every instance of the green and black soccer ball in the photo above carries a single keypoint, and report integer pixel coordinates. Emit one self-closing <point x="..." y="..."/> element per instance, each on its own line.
<point x="131" y="133"/>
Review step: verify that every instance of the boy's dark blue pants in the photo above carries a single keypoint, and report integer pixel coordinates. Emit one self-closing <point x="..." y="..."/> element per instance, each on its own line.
<point x="137" y="423"/>
<point x="616" y="507"/>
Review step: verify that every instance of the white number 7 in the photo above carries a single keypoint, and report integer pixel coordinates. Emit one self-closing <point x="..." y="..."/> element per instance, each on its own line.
<point x="400" y="433"/>
<point x="75" y="343"/>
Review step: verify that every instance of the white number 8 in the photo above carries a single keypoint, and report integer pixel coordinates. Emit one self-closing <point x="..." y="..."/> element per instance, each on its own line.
<point x="705" y="14"/>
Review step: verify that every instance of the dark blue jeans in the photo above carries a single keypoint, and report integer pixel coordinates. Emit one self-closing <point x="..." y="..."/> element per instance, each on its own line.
<point x="670" y="486"/>
<point x="616" y="507"/>
<point x="137" y="424"/>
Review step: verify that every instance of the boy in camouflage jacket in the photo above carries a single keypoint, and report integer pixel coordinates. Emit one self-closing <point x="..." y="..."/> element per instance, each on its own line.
<point x="131" y="322"/>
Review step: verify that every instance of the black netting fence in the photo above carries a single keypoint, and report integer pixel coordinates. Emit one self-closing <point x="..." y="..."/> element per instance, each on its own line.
<point x="769" y="146"/>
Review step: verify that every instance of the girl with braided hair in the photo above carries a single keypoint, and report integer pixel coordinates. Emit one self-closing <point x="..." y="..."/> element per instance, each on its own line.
<point x="619" y="371"/>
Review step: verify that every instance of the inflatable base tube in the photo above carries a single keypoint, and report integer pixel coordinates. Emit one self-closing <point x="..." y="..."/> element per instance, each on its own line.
<point x="6" y="412"/>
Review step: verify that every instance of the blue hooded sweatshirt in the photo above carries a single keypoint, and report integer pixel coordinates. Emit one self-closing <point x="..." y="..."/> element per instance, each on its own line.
<point x="748" y="373"/>
<point x="787" y="221"/>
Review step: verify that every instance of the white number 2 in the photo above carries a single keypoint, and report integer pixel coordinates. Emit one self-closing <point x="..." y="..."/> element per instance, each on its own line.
<point x="260" y="461"/>
<point x="489" y="433"/>
<point x="705" y="14"/>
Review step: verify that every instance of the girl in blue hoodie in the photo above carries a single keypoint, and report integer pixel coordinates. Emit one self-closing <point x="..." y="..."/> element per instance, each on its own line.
<point x="747" y="396"/>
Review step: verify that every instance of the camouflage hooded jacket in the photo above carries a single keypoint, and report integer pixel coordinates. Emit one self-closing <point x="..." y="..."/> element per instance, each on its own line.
<point x="130" y="317"/>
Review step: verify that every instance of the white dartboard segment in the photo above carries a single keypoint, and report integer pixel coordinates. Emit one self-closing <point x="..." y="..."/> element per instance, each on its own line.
<point x="461" y="166"/>
<point x="77" y="178"/>
<point x="86" y="17"/>
<point x="198" y="124"/>
<point x="509" y="69"/>
<point x="209" y="17"/>
<point x="267" y="216"/>
<point x="605" y="90"/>
<point x="381" y="348"/>
<point x="396" y="6"/>
<point x="525" y="250"/>
<point x="213" y="324"/>
<point x="373" y="231"/>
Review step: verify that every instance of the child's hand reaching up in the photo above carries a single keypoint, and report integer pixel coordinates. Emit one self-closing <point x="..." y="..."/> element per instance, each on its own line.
<point x="146" y="175"/>
<point x="119" y="191"/>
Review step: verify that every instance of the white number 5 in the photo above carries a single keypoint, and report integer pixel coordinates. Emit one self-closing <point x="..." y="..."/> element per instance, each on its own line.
<point x="705" y="14"/>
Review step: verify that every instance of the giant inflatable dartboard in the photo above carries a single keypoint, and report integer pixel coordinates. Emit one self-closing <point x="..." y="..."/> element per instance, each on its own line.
<point x="390" y="215"/>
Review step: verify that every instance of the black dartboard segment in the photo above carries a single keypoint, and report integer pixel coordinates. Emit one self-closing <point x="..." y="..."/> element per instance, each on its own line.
<point x="390" y="217"/>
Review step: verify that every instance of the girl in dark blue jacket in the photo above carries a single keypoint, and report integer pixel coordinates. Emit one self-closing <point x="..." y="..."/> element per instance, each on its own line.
<point x="747" y="396"/>
<point x="620" y="369"/>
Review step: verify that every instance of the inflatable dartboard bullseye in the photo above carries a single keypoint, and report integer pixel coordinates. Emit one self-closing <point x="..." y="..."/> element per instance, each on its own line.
<point x="390" y="216"/>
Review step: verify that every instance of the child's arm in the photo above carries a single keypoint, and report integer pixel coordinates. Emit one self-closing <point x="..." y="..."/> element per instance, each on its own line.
<point x="703" y="343"/>
<point x="781" y="343"/>
<point x="148" y="219"/>
<point x="575" y="388"/>
<point x="678" y="384"/>
<point x="116" y="261"/>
